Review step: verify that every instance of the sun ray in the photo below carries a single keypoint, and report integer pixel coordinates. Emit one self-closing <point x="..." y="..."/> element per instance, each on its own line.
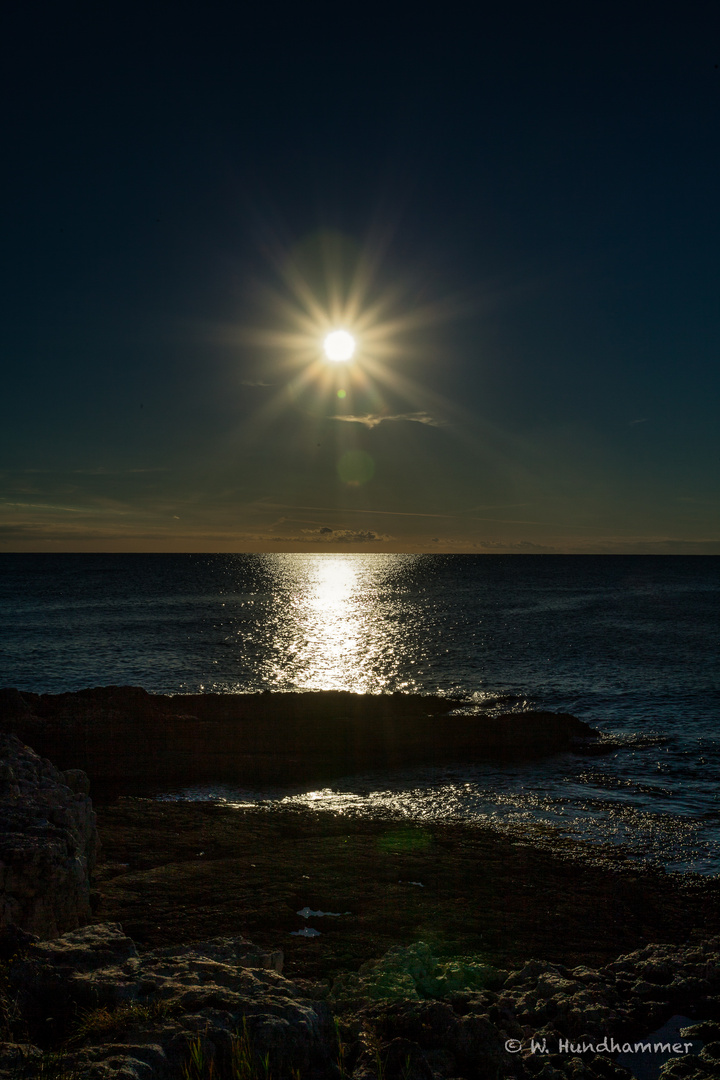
<point x="329" y="289"/>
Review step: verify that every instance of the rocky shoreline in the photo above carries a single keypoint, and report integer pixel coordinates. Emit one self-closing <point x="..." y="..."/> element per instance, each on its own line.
<point x="174" y="872"/>
<point x="201" y="942"/>
<point x="129" y="739"/>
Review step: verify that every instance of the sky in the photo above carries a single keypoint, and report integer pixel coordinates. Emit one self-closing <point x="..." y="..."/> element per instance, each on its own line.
<point x="512" y="207"/>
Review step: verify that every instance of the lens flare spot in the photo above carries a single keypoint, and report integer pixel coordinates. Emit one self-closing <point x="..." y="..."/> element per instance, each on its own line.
<point x="339" y="346"/>
<point x="405" y="840"/>
<point x="341" y="394"/>
<point x="356" y="467"/>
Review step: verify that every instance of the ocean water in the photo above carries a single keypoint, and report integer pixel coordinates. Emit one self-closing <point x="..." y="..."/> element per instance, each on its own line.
<point x="629" y="643"/>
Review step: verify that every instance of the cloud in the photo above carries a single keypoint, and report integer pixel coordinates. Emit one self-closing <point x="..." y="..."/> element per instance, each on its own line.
<point x="326" y="535"/>
<point x="496" y="547"/>
<point x="642" y="420"/>
<point x="651" y="546"/>
<point x="97" y="470"/>
<point x="521" y="547"/>
<point x="349" y="510"/>
<point x="40" y="506"/>
<point x="372" y="420"/>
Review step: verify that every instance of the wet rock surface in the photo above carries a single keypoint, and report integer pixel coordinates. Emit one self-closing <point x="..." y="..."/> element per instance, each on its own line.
<point x="48" y="842"/>
<point x="172" y="1012"/>
<point x="127" y="736"/>
<point x="187" y="871"/>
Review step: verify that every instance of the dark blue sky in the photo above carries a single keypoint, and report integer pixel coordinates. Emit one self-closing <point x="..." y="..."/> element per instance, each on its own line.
<point x="531" y="194"/>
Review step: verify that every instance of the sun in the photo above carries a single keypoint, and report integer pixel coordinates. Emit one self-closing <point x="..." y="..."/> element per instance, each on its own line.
<point x="339" y="346"/>
<point x="340" y="330"/>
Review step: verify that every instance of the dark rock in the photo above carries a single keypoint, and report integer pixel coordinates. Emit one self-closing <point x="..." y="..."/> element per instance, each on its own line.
<point x="120" y="1061"/>
<point x="403" y="1058"/>
<point x="48" y="844"/>
<point x="99" y="946"/>
<point x="77" y="780"/>
<point x="224" y="998"/>
<point x="14" y="942"/>
<point x="19" y="1060"/>
<point x="124" y="734"/>
<point x="98" y="968"/>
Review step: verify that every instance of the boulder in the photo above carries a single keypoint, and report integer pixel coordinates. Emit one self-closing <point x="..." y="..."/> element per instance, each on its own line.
<point x="48" y="843"/>
<point x="116" y="1013"/>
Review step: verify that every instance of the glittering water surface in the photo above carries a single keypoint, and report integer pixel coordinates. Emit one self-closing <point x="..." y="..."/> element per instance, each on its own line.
<point x="631" y="644"/>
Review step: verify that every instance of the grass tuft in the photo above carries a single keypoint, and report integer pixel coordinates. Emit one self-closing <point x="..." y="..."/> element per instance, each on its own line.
<point x="96" y="1023"/>
<point x="245" y="1062"/>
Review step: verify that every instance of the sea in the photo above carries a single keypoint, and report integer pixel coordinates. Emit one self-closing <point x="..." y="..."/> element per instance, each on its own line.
<point x="630" y="644"/>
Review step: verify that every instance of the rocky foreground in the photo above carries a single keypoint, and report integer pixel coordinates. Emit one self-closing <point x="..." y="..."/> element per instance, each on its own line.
<point x="203" y="942"/>
<point x="222" y="1008"/>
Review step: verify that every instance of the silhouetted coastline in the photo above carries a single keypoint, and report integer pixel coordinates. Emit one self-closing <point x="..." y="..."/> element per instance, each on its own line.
<point x="128" y="737"/>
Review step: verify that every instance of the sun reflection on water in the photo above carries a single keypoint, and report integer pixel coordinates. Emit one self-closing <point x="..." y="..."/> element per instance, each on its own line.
<point x="332" y="629"/>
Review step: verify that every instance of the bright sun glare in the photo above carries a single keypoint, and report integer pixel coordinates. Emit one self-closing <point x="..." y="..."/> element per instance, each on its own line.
<point x="340" y="339"/>
<point x="339" y="346"/>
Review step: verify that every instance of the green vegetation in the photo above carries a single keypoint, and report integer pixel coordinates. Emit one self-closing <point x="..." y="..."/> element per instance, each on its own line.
<point x="340" y="1050"/>
<point x="245" y="1062"/>
<point x="103" y="1021"/>
<point x="412" y="972"/>
<point x="405" y="840"/>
